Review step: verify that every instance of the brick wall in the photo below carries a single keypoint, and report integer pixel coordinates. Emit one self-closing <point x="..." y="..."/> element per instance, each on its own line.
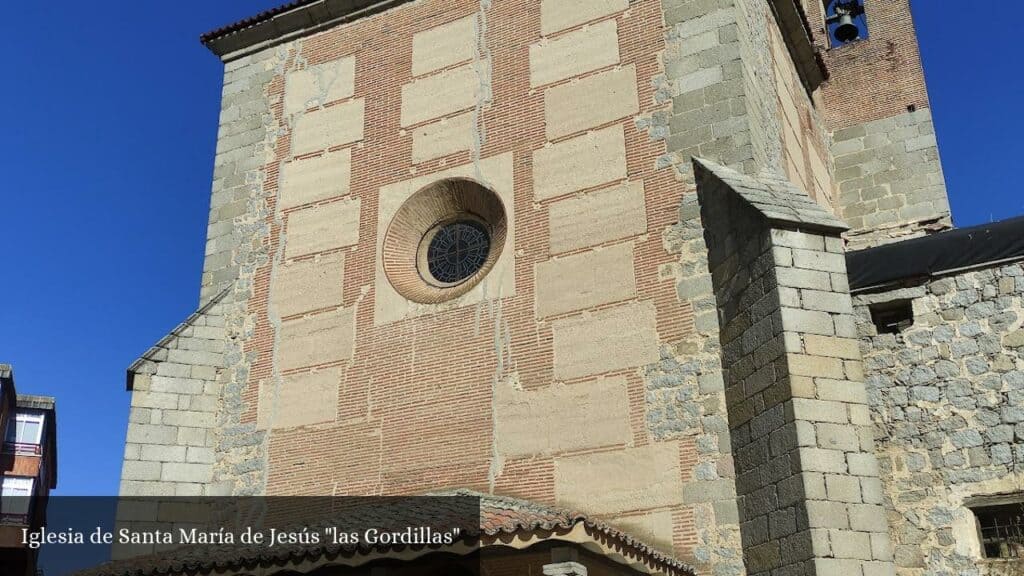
<point x="887" y="165"/>
<point x="948" y="412"/>
<point x="875" y="78"/>
<point x="495" y="389"/>
<point x="585" y="370"/>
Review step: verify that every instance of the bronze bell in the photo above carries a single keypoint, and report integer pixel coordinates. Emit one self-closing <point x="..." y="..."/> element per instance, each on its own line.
<point x="847" y="30"/>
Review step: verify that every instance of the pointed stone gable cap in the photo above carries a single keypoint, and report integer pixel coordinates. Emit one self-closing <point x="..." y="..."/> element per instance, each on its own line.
<point x="156" y="350"/>
<point x="778" y="200"/>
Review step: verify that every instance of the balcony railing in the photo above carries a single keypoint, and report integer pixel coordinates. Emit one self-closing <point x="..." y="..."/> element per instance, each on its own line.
<point x="12" y="519"/>
<point x="23" y="448"/>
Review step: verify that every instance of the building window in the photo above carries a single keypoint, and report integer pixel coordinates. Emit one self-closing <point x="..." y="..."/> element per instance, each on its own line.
<point x="845" y="21"/>
<point x="444" y="240"/>
<point x="15" y="499"/>
<point x="457" y="250"/>
<point x="892" y="317"/>
<point x="24" y="433"/>
<point x="1001" y="527"/>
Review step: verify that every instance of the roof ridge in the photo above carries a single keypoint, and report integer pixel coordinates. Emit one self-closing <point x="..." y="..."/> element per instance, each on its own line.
<point x="174" y="333"/>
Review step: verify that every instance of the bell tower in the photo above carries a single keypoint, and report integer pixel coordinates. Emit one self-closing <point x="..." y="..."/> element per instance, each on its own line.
<point x="887" y="163"/>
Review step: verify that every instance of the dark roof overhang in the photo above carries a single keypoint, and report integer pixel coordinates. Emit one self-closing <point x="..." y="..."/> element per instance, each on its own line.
<point x="285" y="22"/>
<point x="935" y="255"/>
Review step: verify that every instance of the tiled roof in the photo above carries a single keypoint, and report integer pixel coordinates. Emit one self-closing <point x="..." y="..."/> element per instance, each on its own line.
<point x="498" y="515"/>
<point x="252" y="20"/>
<point x="288" y="20"/>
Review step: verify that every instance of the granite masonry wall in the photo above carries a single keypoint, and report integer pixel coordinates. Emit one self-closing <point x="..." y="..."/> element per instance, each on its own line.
<point x="806" y="476"/>
<point x="890" y="179"/>
<point x="887" y="162"/>
<point x="947" y="399"/>
<point x="172" y="432"/>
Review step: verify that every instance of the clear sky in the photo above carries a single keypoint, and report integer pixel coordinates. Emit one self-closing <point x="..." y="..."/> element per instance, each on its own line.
<point x="111" y="120"/>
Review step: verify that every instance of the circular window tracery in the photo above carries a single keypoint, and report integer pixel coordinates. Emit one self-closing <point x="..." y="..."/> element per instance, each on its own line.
<point x="456" y="250"/>
<point x="443" y="240"/>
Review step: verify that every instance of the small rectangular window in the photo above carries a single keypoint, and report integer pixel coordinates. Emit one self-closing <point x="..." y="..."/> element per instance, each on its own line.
<point x="15" y="499"/>
<point x="1001" y="527"/>
<point x="24" y="433"/>
<point x="892" y="317"/>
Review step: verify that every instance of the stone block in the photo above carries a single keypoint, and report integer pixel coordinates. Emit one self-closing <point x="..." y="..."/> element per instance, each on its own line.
<point x="824" y="514"/>
<point x="699" y="79"/>
<point x="322" y="228"/>
<point x="161" y="453"/>
<point x="819" y="260"/>
<point x="821" y="460"/>
<point x="836" y="302"/>
<point x="597" y="217"/>
<point x="872" y="493"/>
<point x="585" y="161"/>
<point x="799" y="278"/>
<point x="564" y="569"/>
<point x="188" y="418"/>
<point x="444" y="137"/>
<point x="327" y="127"/>
<point x="158" y="400"/>
<point x="445" y="45"/>
<point x="633" y="479"/>
<point x="439" y="95"/>
<point x="191" y="436"/>
<point x="300" y="400"/>
<point x="195" y="357"/>
<point x="556" y="15"/>
<point x="837" y="437"/>
<point x="836" y="567"/>
<point x="585" y="280"/>
<point x="815" y="366"/>
<point x="808" y="322"/>
<point x="309" y="180"/>
<point x="152" y="434"/>
<point x="315" y="340"/>
<point x="574" y="53"/>
<point x="591" y="101"/>
<point x="200" y="455"/>
<point x="319" y="85"/>
<point x="185" y="472"/>
<point x="612" y="339"/>
<point x="560" y="419"/>
<point x="850" y="544"/>
<point x="863" y="464"/>
<point x="307" y="285"/>
<point x="801" y="240"/>
<point x="819" y="411"/>
<point x="842" y="391"/>
<point x="843" y="488"/>
<point x="177" y="385"/>
<point x="136" y="470"/>
<point x="867" y="518"/>
<point x="847" y="348"/>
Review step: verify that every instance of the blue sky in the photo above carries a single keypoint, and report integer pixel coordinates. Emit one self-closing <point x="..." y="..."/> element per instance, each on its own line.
<point x="111" y="120"/>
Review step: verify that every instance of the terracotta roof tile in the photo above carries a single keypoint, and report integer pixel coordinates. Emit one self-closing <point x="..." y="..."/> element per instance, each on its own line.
<point x="498" y="514"/>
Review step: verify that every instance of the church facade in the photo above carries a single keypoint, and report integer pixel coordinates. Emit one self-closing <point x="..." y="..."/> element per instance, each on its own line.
<point x="598" y="255"/>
